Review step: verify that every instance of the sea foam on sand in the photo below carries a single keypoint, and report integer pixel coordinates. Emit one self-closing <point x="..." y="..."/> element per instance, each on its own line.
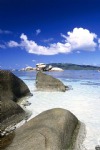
<point x="83" y="101"/>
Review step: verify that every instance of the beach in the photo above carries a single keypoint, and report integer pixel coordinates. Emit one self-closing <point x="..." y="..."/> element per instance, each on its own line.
<point x="83" y="100"/>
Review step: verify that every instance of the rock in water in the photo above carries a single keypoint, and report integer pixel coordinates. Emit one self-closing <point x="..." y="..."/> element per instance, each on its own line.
<point x="13" y="86"/>
<point x="46" y="82"/>
<point x="50" y="130"/>
<point x="11" y="113"/>
<point x="97" y="147"/>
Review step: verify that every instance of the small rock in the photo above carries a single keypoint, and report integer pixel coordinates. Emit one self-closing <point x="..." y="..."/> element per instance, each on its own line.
<point x="97" y="147"/>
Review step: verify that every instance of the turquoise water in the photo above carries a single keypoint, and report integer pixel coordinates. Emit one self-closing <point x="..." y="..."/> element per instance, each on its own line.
<point x="83" y="99"/>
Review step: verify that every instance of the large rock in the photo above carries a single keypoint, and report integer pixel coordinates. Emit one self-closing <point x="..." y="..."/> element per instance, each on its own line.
<point x="13" y="86"/>
<point x="46" y="82"/>
<point x="50" y="130"/>
<point x="11" y="113"/>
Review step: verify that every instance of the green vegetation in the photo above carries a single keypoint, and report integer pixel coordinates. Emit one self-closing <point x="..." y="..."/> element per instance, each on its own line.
<point x="67" y="66"/>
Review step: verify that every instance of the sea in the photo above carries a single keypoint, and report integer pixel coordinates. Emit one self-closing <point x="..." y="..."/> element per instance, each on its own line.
<point x="83" y="99"/>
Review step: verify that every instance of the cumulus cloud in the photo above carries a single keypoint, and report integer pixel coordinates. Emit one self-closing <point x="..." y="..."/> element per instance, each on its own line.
<point x="79" y="39"/>
<point x="5" y="32"/>
<point x="38" y="31"/>
<point x="33" y="47"/>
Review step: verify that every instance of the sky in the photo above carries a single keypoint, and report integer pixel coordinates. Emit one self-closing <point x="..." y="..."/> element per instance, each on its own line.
<point x="49" y="31"/>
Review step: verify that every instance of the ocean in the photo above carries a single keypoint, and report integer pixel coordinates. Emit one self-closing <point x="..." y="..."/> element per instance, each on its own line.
<point x="83" y="99"/>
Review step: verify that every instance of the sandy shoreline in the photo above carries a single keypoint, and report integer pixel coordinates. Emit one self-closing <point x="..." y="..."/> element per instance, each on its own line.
<point x="79" y="133"/>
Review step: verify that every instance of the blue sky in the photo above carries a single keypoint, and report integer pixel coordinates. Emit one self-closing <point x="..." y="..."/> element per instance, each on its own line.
<point x="34" y="31"/>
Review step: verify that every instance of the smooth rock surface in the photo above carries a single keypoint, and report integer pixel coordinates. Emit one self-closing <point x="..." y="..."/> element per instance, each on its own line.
<point x="50" y="130"/>
<point x="13" y="86"/>
<point x="11" y="113"/>
<point x="11" y="89"/>
<point x="46" y="82"/>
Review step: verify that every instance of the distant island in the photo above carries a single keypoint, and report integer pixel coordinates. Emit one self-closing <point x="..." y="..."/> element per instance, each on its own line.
<point x="69" y="66"/>
<point x="59" y="67"/>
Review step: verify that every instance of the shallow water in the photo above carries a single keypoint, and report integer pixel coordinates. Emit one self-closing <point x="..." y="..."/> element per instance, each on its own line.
<point x="83" y="100"/>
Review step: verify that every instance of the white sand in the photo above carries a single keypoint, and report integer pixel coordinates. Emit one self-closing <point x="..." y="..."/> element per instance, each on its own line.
<point x="83" y="101"/>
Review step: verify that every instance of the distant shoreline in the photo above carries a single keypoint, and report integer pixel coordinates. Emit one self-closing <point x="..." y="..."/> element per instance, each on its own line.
<point x="64" y="66"/>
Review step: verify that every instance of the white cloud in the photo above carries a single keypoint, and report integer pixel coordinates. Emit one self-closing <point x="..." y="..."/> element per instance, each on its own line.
<point x="79" y="39"/>
<point x="48" y="40"/>
<point x="38" y="31"/>
<point x="5" y="32"/>
<point x="99" y="42"/>
<point x="33" y="47"/>
<point x="2" y="46"/>
<point x="78" y="52"/>
<point x="34" y="60"/>
<point x="13" y="44"/>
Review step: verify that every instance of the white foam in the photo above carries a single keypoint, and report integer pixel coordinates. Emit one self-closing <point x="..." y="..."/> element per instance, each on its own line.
<point x="83" y="101"/>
